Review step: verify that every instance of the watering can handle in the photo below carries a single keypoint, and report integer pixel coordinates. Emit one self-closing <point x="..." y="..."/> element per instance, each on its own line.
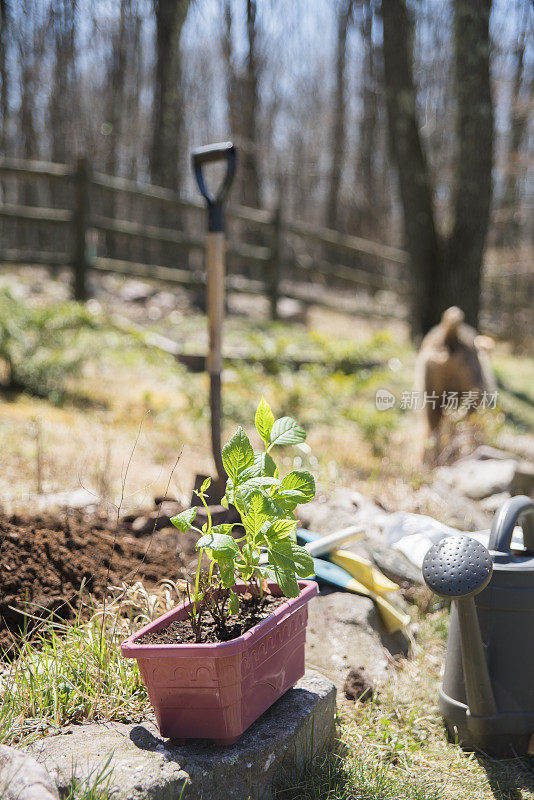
<point x="505" y="521"/>
<point x="222" y="151"/>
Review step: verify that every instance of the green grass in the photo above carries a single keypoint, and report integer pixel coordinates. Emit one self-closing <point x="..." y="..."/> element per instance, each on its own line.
<point x="70" y="672"/>
<point x="395" y="747"/>
<point x="515" y="376"/>
<point x="95" y="786"/>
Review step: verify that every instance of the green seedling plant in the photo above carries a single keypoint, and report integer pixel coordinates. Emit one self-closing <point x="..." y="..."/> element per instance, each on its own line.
<point x="266" y="504"/>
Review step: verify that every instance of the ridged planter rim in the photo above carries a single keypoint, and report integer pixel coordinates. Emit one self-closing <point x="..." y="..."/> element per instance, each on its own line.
<point x="130" y="648"/>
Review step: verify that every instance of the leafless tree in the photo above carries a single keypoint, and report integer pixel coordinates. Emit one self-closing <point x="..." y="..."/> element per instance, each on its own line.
<point x="166" y="158"/>
<point x="445" y="271"/>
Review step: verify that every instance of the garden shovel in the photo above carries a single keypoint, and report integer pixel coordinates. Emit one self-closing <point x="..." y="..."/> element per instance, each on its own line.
<point x="215" y="282"/>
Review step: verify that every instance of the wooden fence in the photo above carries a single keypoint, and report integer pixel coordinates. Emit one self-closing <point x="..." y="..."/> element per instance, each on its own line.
<point x="281" y="251"/>
<point x="74" y="217"/>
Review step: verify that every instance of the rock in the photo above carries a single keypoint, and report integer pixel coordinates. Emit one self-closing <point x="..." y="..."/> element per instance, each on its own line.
<point x="452" y="508"/>
<point x="492" y="503"/>
<point x="155" y="520"/>
<point x="146" y="767"/>
<point x="484" y="452"/>
<point x="23" y="778"/>
<point x="141" y="525"/>
<point x="520" y="445"/>
<point x="523" y="480"/>
<point x="480" y="478"/>
<point x="339" y="510"/>
<point x="346" y="628"/>
<point x="392" y="563"/>
<point x="77" y="498"/>
<point x="135" y="291"/>
<point x="290" y="310"/>
<point x="346" y="507"/>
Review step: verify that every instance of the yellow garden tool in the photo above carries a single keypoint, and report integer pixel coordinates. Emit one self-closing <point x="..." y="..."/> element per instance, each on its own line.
<point x="364" y="571"/>
<point x="355" y="574"/>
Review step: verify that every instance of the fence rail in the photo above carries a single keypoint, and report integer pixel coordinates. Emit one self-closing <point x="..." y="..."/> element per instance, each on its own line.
<point x="285" y="257"/>
<point x="268" y="251"/>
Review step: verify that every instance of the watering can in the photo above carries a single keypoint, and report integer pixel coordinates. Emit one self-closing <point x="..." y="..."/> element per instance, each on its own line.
<point x="487" y="694"/>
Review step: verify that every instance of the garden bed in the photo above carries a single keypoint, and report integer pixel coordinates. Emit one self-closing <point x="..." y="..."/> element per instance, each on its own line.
<point x="45" y="560"/>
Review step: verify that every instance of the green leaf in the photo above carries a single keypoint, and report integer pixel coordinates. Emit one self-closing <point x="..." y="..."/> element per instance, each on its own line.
<point x="302" y="481"/>
<point x="281" y="529"/>
<point x="264" y="420"/>
<point x="226" y="569"/>
<point x="205" y="486"/>
<point x="257" y="513"/>
<point x="237" y="455"/>
<point x="259" y="483"/>
<point x="224" y="527"/>
<point x="233" y="603"/>
<point x="263" y="466"/>
<point x="220" y="544"/>
<point x="242" y="497"/>
<point x="289" y="556"/>
<point x="286" y="580"/>
<point x="288" y="499"/>
<point x="184" y="519"/>
<point x="251" y="555"/>
<point x="286" y="431"/>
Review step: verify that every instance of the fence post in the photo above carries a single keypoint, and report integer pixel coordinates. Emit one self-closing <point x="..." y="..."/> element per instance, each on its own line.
<point x="80" y="258"/>
<point x="275" y="261"/>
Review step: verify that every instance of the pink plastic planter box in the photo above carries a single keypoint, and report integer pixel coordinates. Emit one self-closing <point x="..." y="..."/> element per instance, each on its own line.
<point x="215" y="691"/>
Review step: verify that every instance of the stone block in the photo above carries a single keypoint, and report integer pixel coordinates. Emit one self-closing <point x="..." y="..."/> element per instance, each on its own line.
<point x="146" y="767"/>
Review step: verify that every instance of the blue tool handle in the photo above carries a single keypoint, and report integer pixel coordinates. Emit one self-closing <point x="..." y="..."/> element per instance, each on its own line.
<point x="307" y="536"/>
<point x="326" y="572"/>
<point x="507" y="518"/>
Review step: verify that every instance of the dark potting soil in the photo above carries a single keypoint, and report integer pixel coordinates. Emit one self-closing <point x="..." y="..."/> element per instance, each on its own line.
<point x="251" y="611"/>
<point x="44" y="561"/>
<point x="358" y="685"/>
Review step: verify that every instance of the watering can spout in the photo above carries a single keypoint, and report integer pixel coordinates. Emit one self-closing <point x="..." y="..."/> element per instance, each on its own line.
<point x="458" y="568"/>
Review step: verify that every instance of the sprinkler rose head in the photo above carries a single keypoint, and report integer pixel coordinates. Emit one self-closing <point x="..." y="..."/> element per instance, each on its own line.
<point x="457" y="567"/>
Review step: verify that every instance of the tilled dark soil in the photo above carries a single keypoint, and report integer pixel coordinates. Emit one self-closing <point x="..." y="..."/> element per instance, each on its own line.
<point x="251" y="611"/>
<point x="44" y="561"/>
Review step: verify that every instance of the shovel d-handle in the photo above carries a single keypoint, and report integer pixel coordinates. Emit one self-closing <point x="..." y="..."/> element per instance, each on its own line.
<point x="209" y="154"/>
<point x="514" y="510"/>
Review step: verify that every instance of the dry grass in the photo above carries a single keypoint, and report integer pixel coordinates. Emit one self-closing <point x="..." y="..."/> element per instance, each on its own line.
<point x="395" y="747"/>
<point x="68" y="672"/>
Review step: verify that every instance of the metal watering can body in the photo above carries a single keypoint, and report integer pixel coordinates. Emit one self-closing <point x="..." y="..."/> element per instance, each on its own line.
<point x="487" y="694"/>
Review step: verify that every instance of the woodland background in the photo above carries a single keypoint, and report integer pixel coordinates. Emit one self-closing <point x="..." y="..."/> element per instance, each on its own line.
<point x="350" y="114"/>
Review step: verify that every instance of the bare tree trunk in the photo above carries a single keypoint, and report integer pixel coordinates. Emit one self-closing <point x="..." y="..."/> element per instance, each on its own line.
<point x="4" y="91"/>
<point x="445" y="274"/>
<point x="62" y="96"/>
<point x="339" y="116"/>
<point x="407" y="150"/>
<point x="166" y="157"/>
<point x="250" y="106"/>
<point x="472" y="190"/>
<point x="369" y="134"/>
<point x="116" y="80"/>
<point x="232" y="79"/>
<point x="508" y="227"/>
